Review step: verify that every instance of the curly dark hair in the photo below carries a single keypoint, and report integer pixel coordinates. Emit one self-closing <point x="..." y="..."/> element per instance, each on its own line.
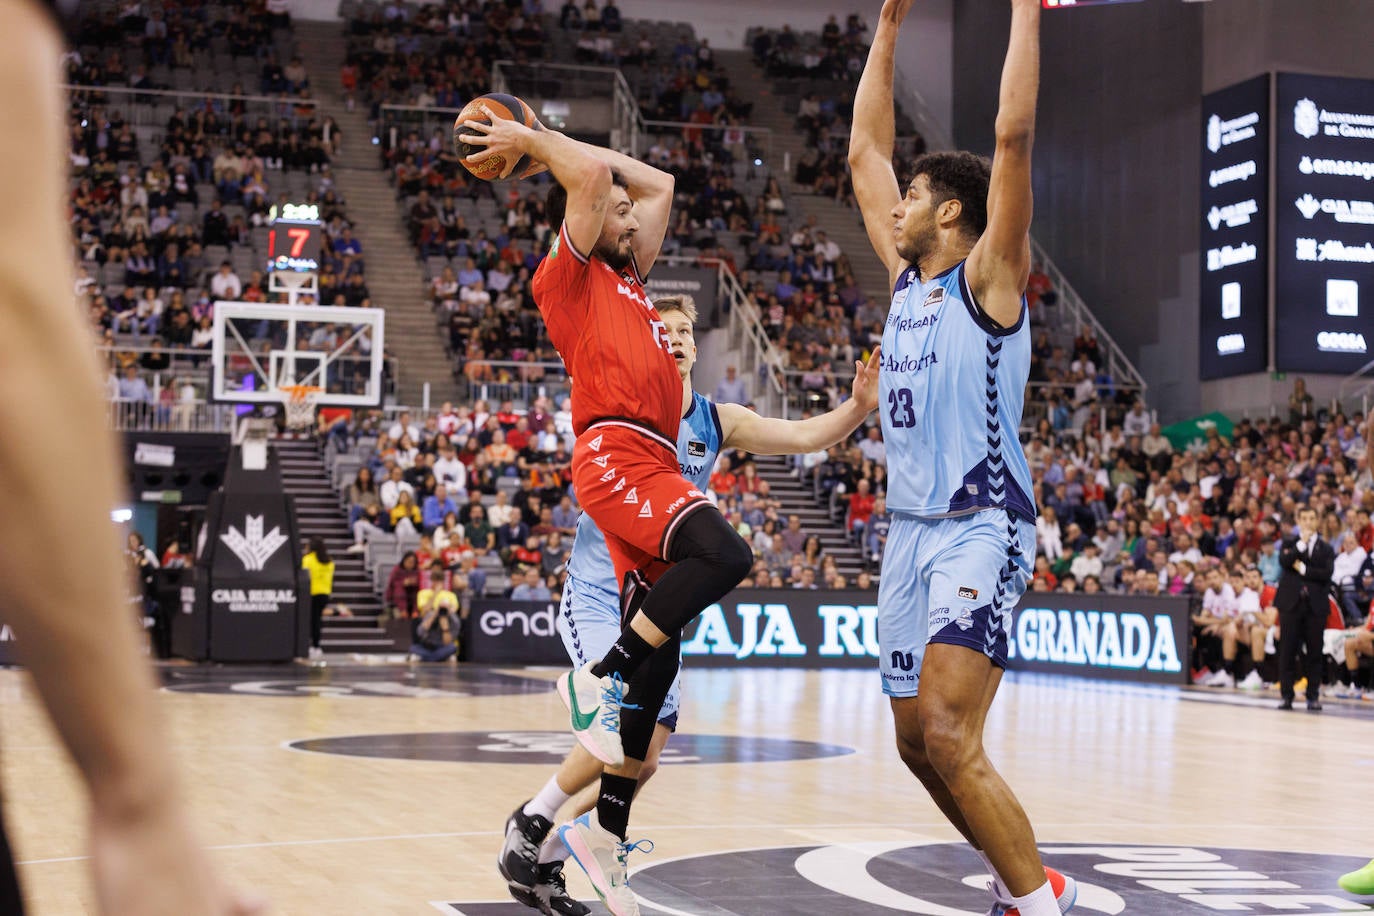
<point x="959" y="176"/>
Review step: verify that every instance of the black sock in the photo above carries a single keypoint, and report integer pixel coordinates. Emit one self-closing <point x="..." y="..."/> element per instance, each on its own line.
<point x="1229" y="664"/>
<point x="613" y="805"/>
<point x="628" y="653"/>
<point x="1348" y="676"/>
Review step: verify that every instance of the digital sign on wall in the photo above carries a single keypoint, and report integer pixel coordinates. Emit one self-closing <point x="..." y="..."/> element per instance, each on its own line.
<point x="1324" y="224"/>
<point x="1234" y="337"/>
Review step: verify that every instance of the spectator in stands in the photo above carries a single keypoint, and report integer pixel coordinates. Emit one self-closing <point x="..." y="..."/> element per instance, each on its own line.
<point x="436" y="633"/>
<point x="133" y="389"/>
<point x="872" y="446"/>
<point x="531" y="586"/>
<point x="730" y="389"/>
<point x="1299" y="403"/>
<point x="479" y="532"/>
<point x="405" y="425"/>
<point x="565" y="516"/>
<point x="1137" y="422"/>
<point x="861" y="506"/>
<point x="436" y="507"/>
<point x="225" y="284"/>
<point x="406" y="518"/>
<point x="320" y="566"/>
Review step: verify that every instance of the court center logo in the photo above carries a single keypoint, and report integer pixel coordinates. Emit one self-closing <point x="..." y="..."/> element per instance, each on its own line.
<point x="947" y="879"/>
<point x="549" y="748"/>
<point x="252" y="546"/>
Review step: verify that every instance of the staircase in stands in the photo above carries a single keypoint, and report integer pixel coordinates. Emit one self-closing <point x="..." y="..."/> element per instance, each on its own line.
<point x="319" y="514"/>
<point x="842" y="224"/>
<point x="795" y="497"/>
<point x="394" y="277"/>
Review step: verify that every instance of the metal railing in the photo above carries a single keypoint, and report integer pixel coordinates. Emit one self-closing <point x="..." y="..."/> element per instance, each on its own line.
<point x="755" y="142"/>
<point x="1073" y="309"/>
<point x="496" y="380"/>
<point x="758" y="358"/>
<point x="394" y="121"/>
<point x="149" y="108"/>
<point x="177" y="416"/>
<point x="575" y="81"/>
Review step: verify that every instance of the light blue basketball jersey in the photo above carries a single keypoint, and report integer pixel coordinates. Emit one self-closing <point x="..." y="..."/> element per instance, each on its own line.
<point x="952" y="390"/>
<point x="698" y="444"/>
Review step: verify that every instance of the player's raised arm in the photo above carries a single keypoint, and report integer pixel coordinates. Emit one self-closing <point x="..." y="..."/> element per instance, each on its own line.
<point x="68" y="607"/>
<point x="586" y="177"/>
<point x="871" y="139"/>
<point x="651" y="190"/>
<point x="999" y="265"/>
<point x="742" y="428"/>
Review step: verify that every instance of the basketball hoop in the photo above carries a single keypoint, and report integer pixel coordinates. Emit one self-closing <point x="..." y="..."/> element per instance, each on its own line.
<point x="300" y="403"/>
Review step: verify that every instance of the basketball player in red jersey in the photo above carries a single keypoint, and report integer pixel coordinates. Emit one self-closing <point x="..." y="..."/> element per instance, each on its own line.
<point x="68" y="608"/>
<point x="670" y="546"/>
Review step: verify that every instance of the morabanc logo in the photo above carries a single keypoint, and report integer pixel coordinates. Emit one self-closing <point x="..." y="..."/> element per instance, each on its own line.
<point x="254" y="548"/>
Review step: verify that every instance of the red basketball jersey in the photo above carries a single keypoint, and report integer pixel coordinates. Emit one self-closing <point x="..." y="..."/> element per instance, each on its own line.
<point x="611" y="339"/>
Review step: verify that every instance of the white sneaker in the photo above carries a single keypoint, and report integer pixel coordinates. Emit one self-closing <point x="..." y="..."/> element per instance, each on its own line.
<point x="1348" y="692"/>
<point x="602" y="856"/>
<point x="356" y="548"/>
<point x="1221" y="679"/>
<point x="594" y="705"/>
<point x="1252" y="681"/>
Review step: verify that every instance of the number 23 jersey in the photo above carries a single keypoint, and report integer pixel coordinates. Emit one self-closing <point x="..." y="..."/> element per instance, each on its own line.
<point x="952" y="391"/>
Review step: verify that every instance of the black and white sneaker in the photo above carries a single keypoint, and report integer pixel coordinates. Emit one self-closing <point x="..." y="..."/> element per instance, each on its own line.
<point x="519" y="860"/>
<point x="550" y="895"/>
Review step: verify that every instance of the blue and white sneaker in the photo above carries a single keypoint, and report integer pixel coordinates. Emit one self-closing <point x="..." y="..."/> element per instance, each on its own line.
<point x="594" y="705"/>
<point x="602" y="856"/>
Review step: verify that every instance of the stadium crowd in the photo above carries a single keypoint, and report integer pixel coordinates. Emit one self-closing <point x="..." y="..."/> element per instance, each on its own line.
<point x="171" y="193"/>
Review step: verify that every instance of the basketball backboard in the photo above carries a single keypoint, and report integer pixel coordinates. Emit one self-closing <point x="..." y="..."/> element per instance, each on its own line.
<point x="260" y="349"/>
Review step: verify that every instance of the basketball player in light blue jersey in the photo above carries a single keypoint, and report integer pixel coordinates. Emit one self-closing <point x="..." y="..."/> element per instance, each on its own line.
<point x="532" y="857"/>
<point x="956" y="357"/>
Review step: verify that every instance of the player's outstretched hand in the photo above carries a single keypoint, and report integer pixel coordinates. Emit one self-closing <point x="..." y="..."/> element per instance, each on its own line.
<point x="148" y="863"/>
<point x="866" y="376"/>
<point x="895" y="11"/>
<point x="502" y="136"/>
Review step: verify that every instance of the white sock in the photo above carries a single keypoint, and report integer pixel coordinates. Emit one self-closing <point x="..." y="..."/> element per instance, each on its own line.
<point x="998" y="888"/>
<point x="553" y="849"/>
<point x="1039" y="902"/>
<point x="548" y="801"/>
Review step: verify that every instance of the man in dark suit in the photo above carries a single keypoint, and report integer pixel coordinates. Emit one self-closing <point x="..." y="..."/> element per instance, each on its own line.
<point x="1304" y="582"/>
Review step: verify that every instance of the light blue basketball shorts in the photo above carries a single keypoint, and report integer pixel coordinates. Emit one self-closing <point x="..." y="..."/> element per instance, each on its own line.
<point x="589" y="622"/>
<point x="950" y="580"/>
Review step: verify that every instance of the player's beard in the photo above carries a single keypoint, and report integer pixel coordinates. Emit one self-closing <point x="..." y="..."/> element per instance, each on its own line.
<point x="912" y="248"/>
<point x="617" y="255"/>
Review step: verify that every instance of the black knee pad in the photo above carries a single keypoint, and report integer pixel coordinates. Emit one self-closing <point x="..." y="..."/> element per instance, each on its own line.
<point x="707" y="536"/>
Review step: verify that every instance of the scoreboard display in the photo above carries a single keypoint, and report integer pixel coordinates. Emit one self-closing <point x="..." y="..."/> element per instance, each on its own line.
<point x="1324" y="224"/>
<point x="295" y="238"/>
<point x="1234" y="314"/>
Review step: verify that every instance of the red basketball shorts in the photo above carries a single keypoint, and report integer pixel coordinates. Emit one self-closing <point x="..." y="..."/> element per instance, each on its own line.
<point x="628" y="480"/>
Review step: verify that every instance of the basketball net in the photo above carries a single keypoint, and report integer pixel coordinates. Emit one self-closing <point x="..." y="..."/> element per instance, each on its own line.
<point x="300" y="403"/>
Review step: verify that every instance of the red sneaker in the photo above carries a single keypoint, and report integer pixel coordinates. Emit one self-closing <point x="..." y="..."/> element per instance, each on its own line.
<point x="1065" y="894"/>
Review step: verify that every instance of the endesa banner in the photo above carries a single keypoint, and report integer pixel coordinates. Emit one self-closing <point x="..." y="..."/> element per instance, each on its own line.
<point x="1105" y="637"/>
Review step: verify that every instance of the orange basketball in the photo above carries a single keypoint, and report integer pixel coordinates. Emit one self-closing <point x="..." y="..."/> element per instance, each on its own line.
<point x="483" y="108"/>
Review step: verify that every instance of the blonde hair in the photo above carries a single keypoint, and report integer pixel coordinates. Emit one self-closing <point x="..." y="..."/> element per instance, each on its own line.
<point x="677" y="303"/>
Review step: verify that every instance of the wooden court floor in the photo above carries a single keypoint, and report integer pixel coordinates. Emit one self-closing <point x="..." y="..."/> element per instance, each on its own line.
<point x="379" y="789"/>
